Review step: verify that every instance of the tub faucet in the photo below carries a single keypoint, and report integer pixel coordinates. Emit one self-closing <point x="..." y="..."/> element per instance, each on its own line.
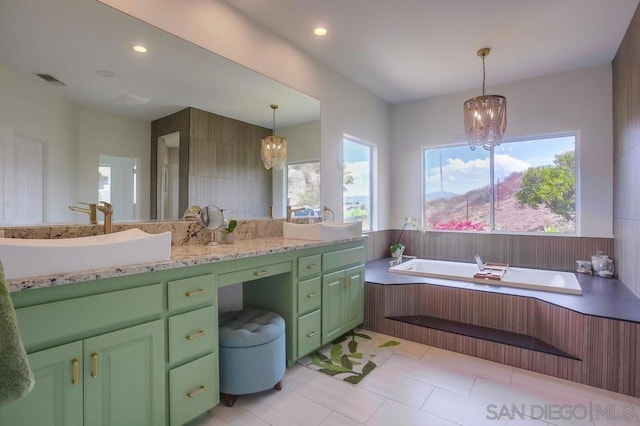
<point x="90" y="210"/>
<point x="107" y="210"/>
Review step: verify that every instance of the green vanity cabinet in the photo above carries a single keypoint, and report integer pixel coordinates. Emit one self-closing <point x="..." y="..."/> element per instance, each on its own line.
<point x="56" y="400"/>
<point x="342" y="292"/>
<point x="142" y="349"/>
<point x="111" y="379"/>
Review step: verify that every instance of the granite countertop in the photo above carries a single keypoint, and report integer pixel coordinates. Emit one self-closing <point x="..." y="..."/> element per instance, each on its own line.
<point x="181" y="256"/>
<point x="603" y="297"/>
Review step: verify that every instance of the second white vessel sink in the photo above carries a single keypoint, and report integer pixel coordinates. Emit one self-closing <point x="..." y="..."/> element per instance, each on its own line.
<point x="23" y="258"/>
<point x="321" y="231"/>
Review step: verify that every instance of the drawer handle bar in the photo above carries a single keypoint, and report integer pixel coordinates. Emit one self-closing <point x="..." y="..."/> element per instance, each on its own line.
<point x="94" y="370"/>
<point x="313" y="333"/>
<point x="193" y="394"/>
<point x="195" y="335"/>
<point x="260" y="273"/>
<point x="198" y="292"/>
<point x="314" y="294"/>
<point x="312" y="266"/>
<point x="75" y="380"/>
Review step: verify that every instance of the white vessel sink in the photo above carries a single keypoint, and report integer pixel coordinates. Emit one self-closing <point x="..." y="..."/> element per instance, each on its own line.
<point x="321" y="231"/>
<point x="35" y="257"/>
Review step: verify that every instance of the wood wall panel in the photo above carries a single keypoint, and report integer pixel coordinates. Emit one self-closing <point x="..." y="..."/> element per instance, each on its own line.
<point x="544" y="252"/>
<point x="609" y="349"/>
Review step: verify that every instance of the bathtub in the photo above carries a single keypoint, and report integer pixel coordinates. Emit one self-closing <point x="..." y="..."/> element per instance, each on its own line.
<point x="534" y="279"/>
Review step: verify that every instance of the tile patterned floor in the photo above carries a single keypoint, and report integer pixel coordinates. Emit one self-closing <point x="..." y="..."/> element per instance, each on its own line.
<point x="422" y="385"/>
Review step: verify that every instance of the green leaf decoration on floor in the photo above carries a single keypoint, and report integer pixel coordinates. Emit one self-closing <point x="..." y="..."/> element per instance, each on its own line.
<point x="350" y="356"/>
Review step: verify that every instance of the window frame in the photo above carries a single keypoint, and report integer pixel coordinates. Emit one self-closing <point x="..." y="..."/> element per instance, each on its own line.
<point x="373" y="156"/>
<point x="492" y="230"/>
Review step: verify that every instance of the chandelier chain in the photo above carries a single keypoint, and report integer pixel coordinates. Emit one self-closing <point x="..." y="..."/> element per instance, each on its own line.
<point x="484" y="73"/>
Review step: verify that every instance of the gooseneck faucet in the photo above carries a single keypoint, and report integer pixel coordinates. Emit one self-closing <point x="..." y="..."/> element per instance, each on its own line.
<point x="107" y="210"/>
<point x="90" y="210"/>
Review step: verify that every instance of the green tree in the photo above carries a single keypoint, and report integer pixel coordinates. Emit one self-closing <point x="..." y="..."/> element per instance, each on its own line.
<point x="347" y="178"/>
<point x="551" y="186"/>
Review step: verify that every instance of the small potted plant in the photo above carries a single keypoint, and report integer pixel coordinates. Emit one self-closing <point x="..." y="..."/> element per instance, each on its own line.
<point x="397" y="249"/>
<point x="228" y="237"/>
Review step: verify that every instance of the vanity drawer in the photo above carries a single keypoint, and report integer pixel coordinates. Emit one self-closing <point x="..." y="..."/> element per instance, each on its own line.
<point x="341" y="258"/>
<point x="76" y="318"/>
<point x="309" y="332"/>
<point x="309" y="265"/>
<point x="193" y="333"/>
<point x="253" y="273"/>
<point x="193" y="389"/>
<point x="309" y="296"/>
<point x="192" y="292"/>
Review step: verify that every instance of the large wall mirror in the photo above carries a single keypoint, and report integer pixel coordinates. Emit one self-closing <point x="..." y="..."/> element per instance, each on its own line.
<point x="86" y="134"/>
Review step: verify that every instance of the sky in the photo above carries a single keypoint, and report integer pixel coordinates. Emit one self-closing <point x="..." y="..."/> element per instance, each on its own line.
<point x="464" y="169"/>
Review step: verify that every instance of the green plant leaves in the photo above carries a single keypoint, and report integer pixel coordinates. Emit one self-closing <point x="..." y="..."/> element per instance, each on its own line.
<point x="389" y="344"/>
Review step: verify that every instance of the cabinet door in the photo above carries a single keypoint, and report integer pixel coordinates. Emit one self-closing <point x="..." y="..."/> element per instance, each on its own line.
<point x="332" y="305"/>
<point x="124" y="377"/>
<point x="56" y="399"/>
<point x="354" y="297"/>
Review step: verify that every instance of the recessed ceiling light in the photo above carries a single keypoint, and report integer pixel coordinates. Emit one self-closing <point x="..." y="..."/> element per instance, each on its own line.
<point x="140" y="49"/>
<point x="320" y="31"/>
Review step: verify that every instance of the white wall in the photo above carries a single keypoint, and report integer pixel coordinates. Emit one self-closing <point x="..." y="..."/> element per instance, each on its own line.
<point x="32" y="108"/>
<point x="74" y="137"/>
<point x="572" y="101"/>
<point x="100" y="132"/>
<point x="346" y="108"/>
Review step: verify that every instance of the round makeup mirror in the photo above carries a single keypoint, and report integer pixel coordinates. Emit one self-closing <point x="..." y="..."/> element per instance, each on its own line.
<point x="212" y="218"/>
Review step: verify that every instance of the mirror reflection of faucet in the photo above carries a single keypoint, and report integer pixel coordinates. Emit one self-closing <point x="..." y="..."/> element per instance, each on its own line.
<point x="91" y="210"/>
<point x="291" y="210"/>
<point x="328" y="210"/>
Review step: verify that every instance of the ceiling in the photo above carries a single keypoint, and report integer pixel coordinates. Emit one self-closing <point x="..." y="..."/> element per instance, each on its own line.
<point x="81" y="41"/>
<point x="403" y="50"/>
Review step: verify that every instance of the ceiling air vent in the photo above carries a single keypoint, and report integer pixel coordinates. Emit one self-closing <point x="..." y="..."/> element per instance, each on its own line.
<point x="50" y="79"/>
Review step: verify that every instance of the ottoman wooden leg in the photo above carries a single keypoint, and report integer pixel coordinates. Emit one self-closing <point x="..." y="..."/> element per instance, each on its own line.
<point x="278" y="386"/>
<point x="228" y="400"/>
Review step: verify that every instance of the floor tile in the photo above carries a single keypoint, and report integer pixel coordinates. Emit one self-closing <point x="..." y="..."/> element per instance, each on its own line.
<point x="353" y="401"/>
<point x="469" y="364"/>
<point x="465" y="410"/>
<point x="228" y="416"/>
<point x="394" y="413"/>
<point x="283" y="408"/>
<point x="388" y="382"/>
<point x="336" y="419"/>
<point x="440" y="376"/>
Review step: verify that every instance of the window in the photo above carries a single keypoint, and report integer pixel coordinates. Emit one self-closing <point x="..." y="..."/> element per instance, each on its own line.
<point x="303" y="187"/>
<point x="523" y="186"/>
<point x="357" y="187"/>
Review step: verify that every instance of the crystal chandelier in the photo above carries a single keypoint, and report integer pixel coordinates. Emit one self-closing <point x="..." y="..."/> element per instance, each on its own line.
<point x="485" y="117"/>
<point x="274" y="148"/>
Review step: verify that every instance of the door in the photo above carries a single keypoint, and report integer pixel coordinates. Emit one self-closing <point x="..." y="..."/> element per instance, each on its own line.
<point x="354" y="297"/>
<point x="332" y="305"/>
<point x="56" y="399"/>
<point x="124" y="377"/>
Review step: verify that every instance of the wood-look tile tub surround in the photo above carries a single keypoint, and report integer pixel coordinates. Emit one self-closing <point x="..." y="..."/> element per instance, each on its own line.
<point x="530" y="251"/>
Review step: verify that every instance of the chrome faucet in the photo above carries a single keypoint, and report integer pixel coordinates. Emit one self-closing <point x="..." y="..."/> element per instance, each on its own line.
<point x="107" y="210"/>
<point x="90" y="210"/>
<point x="290" y="211"/>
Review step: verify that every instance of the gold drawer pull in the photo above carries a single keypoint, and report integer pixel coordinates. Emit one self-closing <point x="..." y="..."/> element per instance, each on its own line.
<point x="75" y="380"/>
<point x="347" y="282"/>
<point x="314" y="294"/>
<point x="312" y="266"/>
<point x="195" y="335"/>
<point x="313" y="333"/>
<point x="94" y="370"/>
<point x="198" y="292"/>
<point x="193" y="394"/>
<point x="260" y="273"/>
